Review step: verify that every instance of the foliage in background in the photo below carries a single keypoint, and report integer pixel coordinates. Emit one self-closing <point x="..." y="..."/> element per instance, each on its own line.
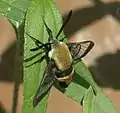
<point x="83" y="88"/>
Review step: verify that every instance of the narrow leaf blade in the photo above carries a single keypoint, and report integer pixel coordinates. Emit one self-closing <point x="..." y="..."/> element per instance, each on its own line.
<point x="87" y="101"/>
<point x="14" y="9"/>
<point x="34" y="26"/>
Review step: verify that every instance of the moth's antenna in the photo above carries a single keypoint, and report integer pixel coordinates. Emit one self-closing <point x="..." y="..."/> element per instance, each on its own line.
<point x="48" y="29"/>
<point x="65" y="22"/>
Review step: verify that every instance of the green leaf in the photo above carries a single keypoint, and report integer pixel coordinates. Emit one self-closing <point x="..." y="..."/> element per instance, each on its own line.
<point x="34" y="26"/>
<point x="32" y="75"/>
<point x="81" y="82"/>
<point x="87" y="101"/>
<point x="83" y="72"/>
<point x="77" y="88"/>
<point x="103" y="104"/>
<point x="96" y="108"/>
<point x="14" y="10"/>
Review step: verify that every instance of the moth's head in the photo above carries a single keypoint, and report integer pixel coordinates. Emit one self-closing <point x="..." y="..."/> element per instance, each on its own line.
<point x="54" y="42"/>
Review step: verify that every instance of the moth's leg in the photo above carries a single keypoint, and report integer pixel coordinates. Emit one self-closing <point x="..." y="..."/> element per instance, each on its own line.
<point x="35" y="48"/>
<point x="32" y="57"/>
<point x="38" y="61"/>
<point x="48" y="30"/>
<point x="37" y="42"/>
<point x="62" y="39"/>
<point x="39" y="47"/>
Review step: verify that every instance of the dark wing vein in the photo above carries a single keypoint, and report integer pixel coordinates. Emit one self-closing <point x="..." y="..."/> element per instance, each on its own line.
<point x="46" y="83"/>
<point x="80" y="49"/>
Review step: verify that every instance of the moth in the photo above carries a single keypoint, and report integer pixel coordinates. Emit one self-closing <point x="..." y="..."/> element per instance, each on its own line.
<point x="59" y="57"/>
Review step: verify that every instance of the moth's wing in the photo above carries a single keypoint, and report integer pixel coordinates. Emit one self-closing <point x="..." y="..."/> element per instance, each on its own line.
<point x="80" y="49"/>
<point x="46" y="83"/>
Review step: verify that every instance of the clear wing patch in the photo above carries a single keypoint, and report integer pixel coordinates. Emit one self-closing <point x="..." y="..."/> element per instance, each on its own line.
<point x="80" y="49"/>
<point x="46" y="83"/>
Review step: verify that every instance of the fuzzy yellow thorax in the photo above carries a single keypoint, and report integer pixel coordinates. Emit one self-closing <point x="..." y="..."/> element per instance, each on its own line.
<point x="61" y="55"/>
